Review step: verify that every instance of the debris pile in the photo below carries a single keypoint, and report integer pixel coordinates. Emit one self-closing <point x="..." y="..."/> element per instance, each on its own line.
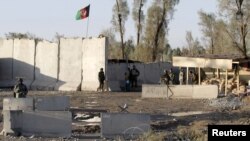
<point x="231" y="86"/>
<point x="230" y="102"/>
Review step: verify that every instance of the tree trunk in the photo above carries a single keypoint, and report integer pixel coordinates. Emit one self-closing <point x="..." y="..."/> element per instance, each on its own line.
<point x="156" y="38"/>
<point x="243" y="35"/>
<point x="120" y="27"/>
<point x="139" y="23"/>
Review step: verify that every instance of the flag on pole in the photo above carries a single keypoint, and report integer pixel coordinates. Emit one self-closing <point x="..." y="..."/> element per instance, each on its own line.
<point x="83" y="13"/>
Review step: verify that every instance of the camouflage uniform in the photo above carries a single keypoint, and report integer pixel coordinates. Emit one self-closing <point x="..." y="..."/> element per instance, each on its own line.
<point x="20" y="90"/>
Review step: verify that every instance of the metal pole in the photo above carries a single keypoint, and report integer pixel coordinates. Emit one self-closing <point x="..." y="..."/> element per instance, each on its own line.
<point x="187" y="76"/>
<point x="87" y="28"/>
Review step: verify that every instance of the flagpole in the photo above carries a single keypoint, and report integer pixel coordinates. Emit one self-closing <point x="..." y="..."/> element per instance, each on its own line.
<point x="87" y="28"/>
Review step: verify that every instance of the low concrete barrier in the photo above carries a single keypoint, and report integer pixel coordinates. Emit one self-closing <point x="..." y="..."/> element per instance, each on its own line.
<point x="127" y="125"/>
<point x="180" y="91"/>
<point x="18" y="104"/>
<point x="52" y="103"/>
<point x="42" y="117"/>
<point x="46" y="123"/>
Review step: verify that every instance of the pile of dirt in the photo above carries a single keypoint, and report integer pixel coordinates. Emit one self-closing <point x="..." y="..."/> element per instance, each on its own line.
<point x="231" y="86"/>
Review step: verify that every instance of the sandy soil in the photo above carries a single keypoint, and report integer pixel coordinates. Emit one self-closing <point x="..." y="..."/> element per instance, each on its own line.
<point x="171" y="126"/>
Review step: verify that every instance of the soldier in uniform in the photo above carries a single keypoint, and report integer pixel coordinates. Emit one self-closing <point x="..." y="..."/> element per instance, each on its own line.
<point x="20" y="90"/>
<point x="165" y="78"/>
<point x="101" y="78"/>
<point x="171" y="76"/>
<point x="134" y="74"/>
<point x="193" y="76"/>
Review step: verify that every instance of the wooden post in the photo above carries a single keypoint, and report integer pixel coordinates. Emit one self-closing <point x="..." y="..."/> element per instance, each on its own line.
<point x="187" y="76"/>
<point x="199" y="73"/>
<point x="238" y="79"/>
<point x="226" y="83"/>
<point x="217" y="73"/>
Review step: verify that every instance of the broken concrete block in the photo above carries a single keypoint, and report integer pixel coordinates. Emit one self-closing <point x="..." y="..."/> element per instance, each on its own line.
<point x="18" y="104"/>
<point x="128" y="125"/>
<point x="52" y="103"/>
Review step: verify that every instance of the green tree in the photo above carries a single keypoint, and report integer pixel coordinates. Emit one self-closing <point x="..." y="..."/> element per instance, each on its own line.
<point x="120" y="15"/>
<point x="193" y="45"/>
<point x="138" y="17"/>
<point x="13" y="35"/>
<point x="158" y="17"/>
<point x="176" y="52"/>
<point x="208" y="24"/>
<point x="114" y="51"/>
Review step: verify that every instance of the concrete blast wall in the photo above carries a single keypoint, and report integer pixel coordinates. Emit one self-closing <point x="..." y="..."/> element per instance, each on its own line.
<point x="46" y="68"/>
<point x="149" y="73"/>
<point x="6" y="62"/>
<point x="94" y="52"/>
<point x="24" y="59"/>
<point x="70" y="64"/>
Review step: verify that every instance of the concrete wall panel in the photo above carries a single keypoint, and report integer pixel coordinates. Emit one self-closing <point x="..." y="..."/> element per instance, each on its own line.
<point x="6" y="53"/>
<point x="69" y="64"/>
<point x="46" y="123"/>
<point x="46" y="68"/>
<point x="205" y="91"/>
<point x="18" y="104"/>
<point x="124" y="124"/>
<point x="6" y="62"/>
<point x="180" y="91"/>
<point x="152" y="73"/>
<point x="24" y="59"/>
<point x="94" y="53"/>
<point x="154" y="91"/>
<point x="52" y="103"/>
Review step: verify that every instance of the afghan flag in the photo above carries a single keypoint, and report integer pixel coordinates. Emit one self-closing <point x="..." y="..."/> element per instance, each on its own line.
<point x="83" y="13"/>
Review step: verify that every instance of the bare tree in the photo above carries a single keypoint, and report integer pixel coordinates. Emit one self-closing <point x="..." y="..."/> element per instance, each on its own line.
<point x="120" y="15"/>
<point x="138" y="17"/>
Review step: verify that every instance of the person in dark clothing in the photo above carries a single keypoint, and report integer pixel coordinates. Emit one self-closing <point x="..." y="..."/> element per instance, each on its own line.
<point x="20" y="90"/>
<point x="101" y="78"/>
<point x="165" y="78"/>
<point x="134" y="73"/>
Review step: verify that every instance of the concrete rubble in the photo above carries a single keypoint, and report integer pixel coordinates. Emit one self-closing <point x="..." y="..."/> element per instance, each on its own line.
<point x="229" y="102"/>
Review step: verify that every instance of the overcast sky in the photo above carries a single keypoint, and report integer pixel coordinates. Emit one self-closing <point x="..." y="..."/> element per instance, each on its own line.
<point x="46" y="17"/>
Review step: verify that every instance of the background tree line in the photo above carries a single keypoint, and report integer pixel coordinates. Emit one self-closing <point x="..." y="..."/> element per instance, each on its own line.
<point x="222" y="32"/>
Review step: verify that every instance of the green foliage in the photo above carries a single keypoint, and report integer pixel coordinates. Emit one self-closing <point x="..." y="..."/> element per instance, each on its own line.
<point x="13" y="35"/>
<point x="123" y="11"/>
<point x="158" y="17"/>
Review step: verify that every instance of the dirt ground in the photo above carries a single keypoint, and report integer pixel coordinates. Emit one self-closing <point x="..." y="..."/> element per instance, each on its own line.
<point x="165" y="126"/>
